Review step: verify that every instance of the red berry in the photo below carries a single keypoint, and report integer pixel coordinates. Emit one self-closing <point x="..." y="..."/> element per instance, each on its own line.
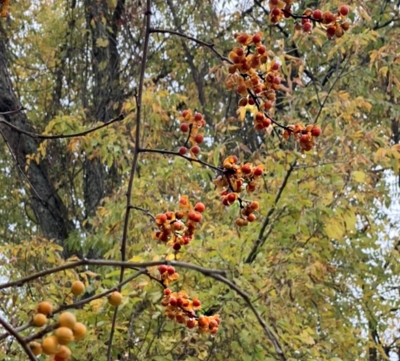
<point x="199" y="207"/>
<point x="316" y="131"/>
<point x="256" y="38"/>
<point x="305" y="20"/>
<point x="277" y="80"/>
<point x="162" y="268"/>
<point x="161" y="217"/>
<point x="267" y="105"/>
<point x="195" y="149"/>
<point x="185" y="113"/>
<point x="275" y="66"/>
<point x="262" y="49"/>
<point x="328" y="17"/>
<point x="182" y="150"/>
<point x="167" y="292"/>
<point x="317" y="14"/>
<point x="276" y="12"/>
<point x="196" y="303"/>
<point x="251" y="101"/>
<point x="198" y="117"/>
<point x="307" y="27"/>
<point x="173" y="301"/>
<point x="184" y="127"/>
<point x="199" y="138"/>
<point x="344" y="10"/>
<point x="258" y="171"/>
<point x="231" y="197"/>
<point x="274" y="2"/>
<point x="242" y="38"/>
<point x="251" y="217"/>
<point x="170" y="270"/>
<point x="246" y="169"/>
<point x="330" y="32"/>
<point x="234" y="159"/>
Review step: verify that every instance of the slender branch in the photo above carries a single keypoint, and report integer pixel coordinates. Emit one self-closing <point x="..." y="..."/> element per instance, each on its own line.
<point x="211" y="46"/>
<point x="162" y="151"/>
<point x="138" y="98"/>
<point x="144" y="211"/>
<point x="61" y="136"/>
<point x="110" y="263"/>
<point x="12" y="111"/>
<point x="261" y="238"/>
<point x="17" y="336"/>
<point x="246" y="298"/>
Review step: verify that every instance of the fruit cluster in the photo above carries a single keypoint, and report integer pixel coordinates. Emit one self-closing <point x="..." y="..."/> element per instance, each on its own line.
<point x="176" y="229"/>
<point x="236" y="179"/>
<point x="182" y="309"/>
<point x="167" y="274"/>
<point x="334" y="24"/>
<point x="5" y="4"/>
<point x="67" y="330"/>
<point x="191" y="124"/>
<point x="254" y="76"/>
<point x="304" y="135"/>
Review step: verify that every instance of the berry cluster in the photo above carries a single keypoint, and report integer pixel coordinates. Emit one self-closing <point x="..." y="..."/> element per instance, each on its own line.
<point x="67" y="330"/>
<point x="192" y="123"/>
<point x="168" y="274"/>
<point x="334" y="24"/>
<point x="303" y="135"/>
<point x="177" y="228"/>
<point x="254" y="76"/>
<point x="237" y="178"/>
<point x="181" y="308"/>
<point x="5" y="4"/>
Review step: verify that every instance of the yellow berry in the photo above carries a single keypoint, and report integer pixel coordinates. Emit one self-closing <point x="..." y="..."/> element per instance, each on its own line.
<point x="67" y="319"/>
<point x="39" y="320"/>
<point x="63" y="352"/>
<point x="45" y="307"/>
<point x="64" y="335"/>
<point x="79" y="331"/>
<point x="36" y="348"/>
<point x="50" y="345"/>
<point x="77" y="288"/>
<point x="115" y="299"/>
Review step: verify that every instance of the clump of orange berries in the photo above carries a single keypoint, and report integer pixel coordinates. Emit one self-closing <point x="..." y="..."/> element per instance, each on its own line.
<point x="236" y="179"/>
<point x="182" y="309"/>
<point x="191" y="123"/>
<point x="254" y="76"/>
<point x="176" y="229"/>
<point x="333" y="24"/>
<point x="67" y="330"/>
<point x="304" y="135"/>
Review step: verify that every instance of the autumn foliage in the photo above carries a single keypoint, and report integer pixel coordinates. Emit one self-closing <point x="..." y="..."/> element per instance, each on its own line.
<point x="181" y="193"/>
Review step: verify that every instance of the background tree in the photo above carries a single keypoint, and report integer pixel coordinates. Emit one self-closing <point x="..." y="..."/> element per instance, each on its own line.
<point x="319" y="264"/>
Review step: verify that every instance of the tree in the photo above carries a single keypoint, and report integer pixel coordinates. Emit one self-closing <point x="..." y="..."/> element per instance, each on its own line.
<point x="96" y="100"/>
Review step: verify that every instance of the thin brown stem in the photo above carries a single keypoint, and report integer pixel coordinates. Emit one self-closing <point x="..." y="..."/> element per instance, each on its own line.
<point x="17" y="336"/>
<point x="61" y="136"/>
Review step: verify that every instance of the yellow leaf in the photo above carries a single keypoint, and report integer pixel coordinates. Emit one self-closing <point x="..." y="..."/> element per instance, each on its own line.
<point x="334" y="228"/>
<point x="359" y="176"/>
<point x="102" y="42"/>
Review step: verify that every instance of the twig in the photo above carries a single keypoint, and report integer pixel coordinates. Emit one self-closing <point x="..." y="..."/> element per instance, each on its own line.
<point x="162" y="151"/>
<point x="200" y="42"/>
<point x="17" y="336"/>
<point x="110" y="263"/>
<point x="60" y="136"/>
<point x="138" y="98"/>
<point x="261" y="239"/>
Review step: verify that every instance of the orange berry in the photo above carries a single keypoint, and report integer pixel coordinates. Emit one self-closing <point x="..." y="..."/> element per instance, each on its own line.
<point x="196" y="303"/>
<point x="39" y="320"/>
<point x="63" y="353"/>
<point x="115" y="299"/>
<point x="64" y="335"/>
<point x="79" y="331"/>
<point x="77" y="288"/>
<point x="328" y="17"/>
<point x="199" y="207"/>
<point x="36" y="348"/>
<point x="67" y="319"/>
<point x="203" y="322"/>
<point x="254" y="205"/>
<point x="50" y="345"/>
<point x="191" y="323"/>
<point x="45" y="307"/>
<point x="214" y="330"/>
<point x="251" y="217"/>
